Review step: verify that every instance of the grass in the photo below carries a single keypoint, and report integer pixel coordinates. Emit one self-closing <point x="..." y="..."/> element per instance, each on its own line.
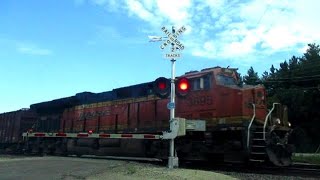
<point x="307" y="158"/>
<point x="131" y="169"/>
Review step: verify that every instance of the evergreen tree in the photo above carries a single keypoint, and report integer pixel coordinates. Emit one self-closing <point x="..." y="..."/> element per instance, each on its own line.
<point x="295" y="84"/>
<point x="272" y="70"/>
<point x="313" y="52"/>
<point x="265" y="76"/>
<point x="251" y="78"/>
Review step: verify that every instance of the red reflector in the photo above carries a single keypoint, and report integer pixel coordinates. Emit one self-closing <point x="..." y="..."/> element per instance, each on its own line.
<point x="104" y="135"/>
<point x="82" y="135"/>
<point x="149" y="136"/>
<point x="39" y="134"/>
<point x="61" y="134"/>
<point x="126" y="135"/>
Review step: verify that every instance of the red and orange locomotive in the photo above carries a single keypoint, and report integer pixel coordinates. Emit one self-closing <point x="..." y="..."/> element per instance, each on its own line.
<point x="230" y="121"/>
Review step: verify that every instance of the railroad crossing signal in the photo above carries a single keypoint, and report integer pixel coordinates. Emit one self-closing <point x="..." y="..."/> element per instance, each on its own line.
<point x="161" y="87"/>
<point x="161" y="84"/>
<point x="182" y="87"/>
<point x="172" y="38"/>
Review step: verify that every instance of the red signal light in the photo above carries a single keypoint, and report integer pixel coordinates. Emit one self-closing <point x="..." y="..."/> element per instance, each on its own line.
<point x="161" y="87"/>
<point x="182" y="86"/>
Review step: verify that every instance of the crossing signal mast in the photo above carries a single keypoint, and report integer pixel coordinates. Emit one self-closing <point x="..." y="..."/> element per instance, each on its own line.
<point x="161" y="85"/>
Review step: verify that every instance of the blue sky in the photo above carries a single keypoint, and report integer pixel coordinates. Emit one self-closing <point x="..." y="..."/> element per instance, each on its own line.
<point x="51" y="50"/>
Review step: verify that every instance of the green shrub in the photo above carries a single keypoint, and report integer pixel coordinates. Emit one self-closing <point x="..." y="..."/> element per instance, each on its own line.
<point x="307" y="158"/>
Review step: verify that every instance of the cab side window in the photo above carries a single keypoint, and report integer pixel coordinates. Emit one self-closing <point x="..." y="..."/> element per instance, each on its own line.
<point x="207" y="82"/>
<point x="196" y="84"/>
<point x="201" y="83"/>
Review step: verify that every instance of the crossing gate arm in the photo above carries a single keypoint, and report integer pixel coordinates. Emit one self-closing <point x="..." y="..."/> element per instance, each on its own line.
<point x="178" y="126"/>
<point x="89" y="135"/>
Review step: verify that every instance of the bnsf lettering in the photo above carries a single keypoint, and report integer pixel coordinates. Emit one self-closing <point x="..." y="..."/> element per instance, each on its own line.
<point x="90" y="115"/>
<point x="201" y="100"/>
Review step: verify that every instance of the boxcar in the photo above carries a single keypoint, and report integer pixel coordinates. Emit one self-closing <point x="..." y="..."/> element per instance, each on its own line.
<point x="13" y="124"/>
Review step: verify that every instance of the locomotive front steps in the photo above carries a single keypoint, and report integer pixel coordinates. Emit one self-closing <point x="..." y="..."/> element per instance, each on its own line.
<point x="258" y="146"/>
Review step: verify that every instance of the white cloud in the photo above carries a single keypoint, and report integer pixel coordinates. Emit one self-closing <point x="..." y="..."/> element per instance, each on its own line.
<point x="136" y="8"/>
<point x="231" y="28"/>
<point x="32" y="49"/>
<point x="176" y="11"/>
<point x="303" y="49"/>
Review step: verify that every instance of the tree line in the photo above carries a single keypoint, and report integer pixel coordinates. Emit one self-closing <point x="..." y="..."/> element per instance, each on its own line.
<point x="296" y="83"/>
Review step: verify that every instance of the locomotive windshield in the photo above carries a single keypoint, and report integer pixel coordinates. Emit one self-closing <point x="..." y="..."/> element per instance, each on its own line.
<point x="226" y="80"/>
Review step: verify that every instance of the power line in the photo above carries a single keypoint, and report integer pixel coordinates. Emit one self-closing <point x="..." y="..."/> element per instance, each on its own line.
<point x="289" y="78"/>
<point x="299" y="77"/>
<point x="301" y="88"/>
<point x="265" y="11"/>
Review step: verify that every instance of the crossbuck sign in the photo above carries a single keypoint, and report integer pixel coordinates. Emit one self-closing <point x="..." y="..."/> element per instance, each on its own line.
<point x="172" y="39"/>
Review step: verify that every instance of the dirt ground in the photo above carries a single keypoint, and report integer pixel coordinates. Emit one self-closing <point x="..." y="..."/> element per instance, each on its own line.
<point x="63" y="168"/>
<point x="133" y="170"/>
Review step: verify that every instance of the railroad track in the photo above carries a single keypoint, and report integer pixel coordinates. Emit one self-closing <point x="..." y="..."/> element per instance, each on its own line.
<point x="298" y="170"/>
<point x="302" y="170"/>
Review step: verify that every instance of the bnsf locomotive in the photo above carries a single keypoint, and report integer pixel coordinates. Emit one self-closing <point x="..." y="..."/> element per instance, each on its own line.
<point x="225" y="121"/>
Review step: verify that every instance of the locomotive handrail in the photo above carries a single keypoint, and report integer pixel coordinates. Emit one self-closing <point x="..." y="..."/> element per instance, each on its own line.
<point x="249" y="127"/>
<point x="266" y="120"/>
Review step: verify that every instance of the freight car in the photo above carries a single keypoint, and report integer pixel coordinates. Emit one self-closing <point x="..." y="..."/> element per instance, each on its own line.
<point x="12" y="125"/>
<point x="130" y="121"/>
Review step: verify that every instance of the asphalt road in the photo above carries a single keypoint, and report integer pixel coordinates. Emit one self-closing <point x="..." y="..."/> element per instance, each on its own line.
<point x="52" y="168"/>
<point x="69" y="168"/>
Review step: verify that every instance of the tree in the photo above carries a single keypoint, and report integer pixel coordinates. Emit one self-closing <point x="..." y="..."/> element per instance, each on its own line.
<point x="265" y="76"/>
<point x="251" y="78"/>
<point x="295" y="84"/>
<point x="313" y="52"/>
<point x="272" y="70"/>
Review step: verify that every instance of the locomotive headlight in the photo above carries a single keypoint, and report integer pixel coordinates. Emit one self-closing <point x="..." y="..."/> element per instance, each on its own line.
<point x="289" y="124"/>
